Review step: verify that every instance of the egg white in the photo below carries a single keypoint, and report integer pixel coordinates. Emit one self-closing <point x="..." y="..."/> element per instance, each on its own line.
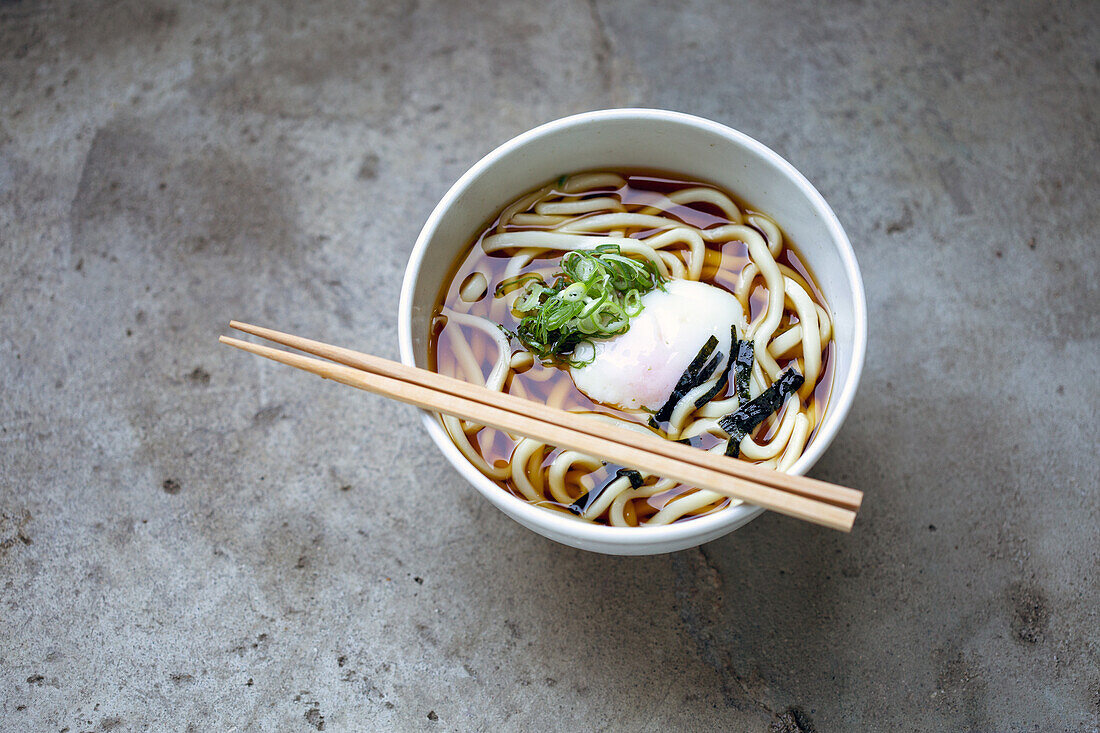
<point x="640" y="368"/>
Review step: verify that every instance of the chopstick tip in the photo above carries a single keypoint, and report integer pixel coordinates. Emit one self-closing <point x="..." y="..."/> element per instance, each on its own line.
<point x="230" y="341"/>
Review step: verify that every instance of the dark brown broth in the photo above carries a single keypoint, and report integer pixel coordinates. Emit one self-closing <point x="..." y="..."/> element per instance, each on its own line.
<point x="640" y="189"/>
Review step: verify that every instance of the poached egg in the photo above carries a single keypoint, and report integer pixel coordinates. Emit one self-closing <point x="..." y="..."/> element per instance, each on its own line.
<point x="640" y="368"/>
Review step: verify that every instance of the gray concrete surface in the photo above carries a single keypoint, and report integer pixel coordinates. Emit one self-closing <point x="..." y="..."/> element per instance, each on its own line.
<point x="194" y="540"/>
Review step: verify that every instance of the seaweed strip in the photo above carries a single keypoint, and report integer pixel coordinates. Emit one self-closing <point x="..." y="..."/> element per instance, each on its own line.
<point x="733" y="445"/>
<point x="693" y="376"/>
<point x="585" y="500"/>
<point x="724" y="379"/>
<point x="743" y="370"/>
<point x="706" y="372"/>
<point x="744" y="420"/>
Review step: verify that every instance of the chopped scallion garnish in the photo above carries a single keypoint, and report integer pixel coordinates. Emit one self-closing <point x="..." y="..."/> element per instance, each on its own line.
<point x="594" y="297"/>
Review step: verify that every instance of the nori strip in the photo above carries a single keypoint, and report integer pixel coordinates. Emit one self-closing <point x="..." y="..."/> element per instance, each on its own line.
<point x="696" y="373"/>
<point x="585" y="500"/>
<point x="744" y="420"/>
<point x="724" y="379"/>
<point x="743" y="370"/>
<point x="733" y="445"/>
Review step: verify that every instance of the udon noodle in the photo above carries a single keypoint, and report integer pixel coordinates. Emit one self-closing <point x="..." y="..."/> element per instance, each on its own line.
<point x="688" y="231"/>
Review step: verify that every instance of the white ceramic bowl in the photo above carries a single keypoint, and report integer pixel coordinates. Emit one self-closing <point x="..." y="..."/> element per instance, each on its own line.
<point x="638" y="138"/>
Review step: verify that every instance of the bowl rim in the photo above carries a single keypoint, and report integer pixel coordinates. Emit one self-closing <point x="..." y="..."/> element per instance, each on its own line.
<point x="557" y="524"/>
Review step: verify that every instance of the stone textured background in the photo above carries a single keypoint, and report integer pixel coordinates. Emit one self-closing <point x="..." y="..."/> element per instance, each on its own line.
<point x="191" y="539"/>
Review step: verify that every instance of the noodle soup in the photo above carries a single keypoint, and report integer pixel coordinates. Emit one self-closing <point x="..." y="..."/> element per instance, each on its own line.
<point x="725" y="323"/>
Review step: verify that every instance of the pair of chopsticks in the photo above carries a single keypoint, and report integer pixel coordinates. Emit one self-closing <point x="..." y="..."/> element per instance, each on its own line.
<point x="796" y="496"/>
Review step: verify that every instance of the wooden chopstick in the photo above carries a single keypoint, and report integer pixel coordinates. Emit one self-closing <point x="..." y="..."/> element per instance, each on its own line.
<point x="555" y="427"/>
<point x="801" y="485"/>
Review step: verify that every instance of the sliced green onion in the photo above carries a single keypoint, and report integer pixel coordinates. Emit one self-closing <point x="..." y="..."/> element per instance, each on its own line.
<point x="514" y="283"/>
<point x="594" y="297"/>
